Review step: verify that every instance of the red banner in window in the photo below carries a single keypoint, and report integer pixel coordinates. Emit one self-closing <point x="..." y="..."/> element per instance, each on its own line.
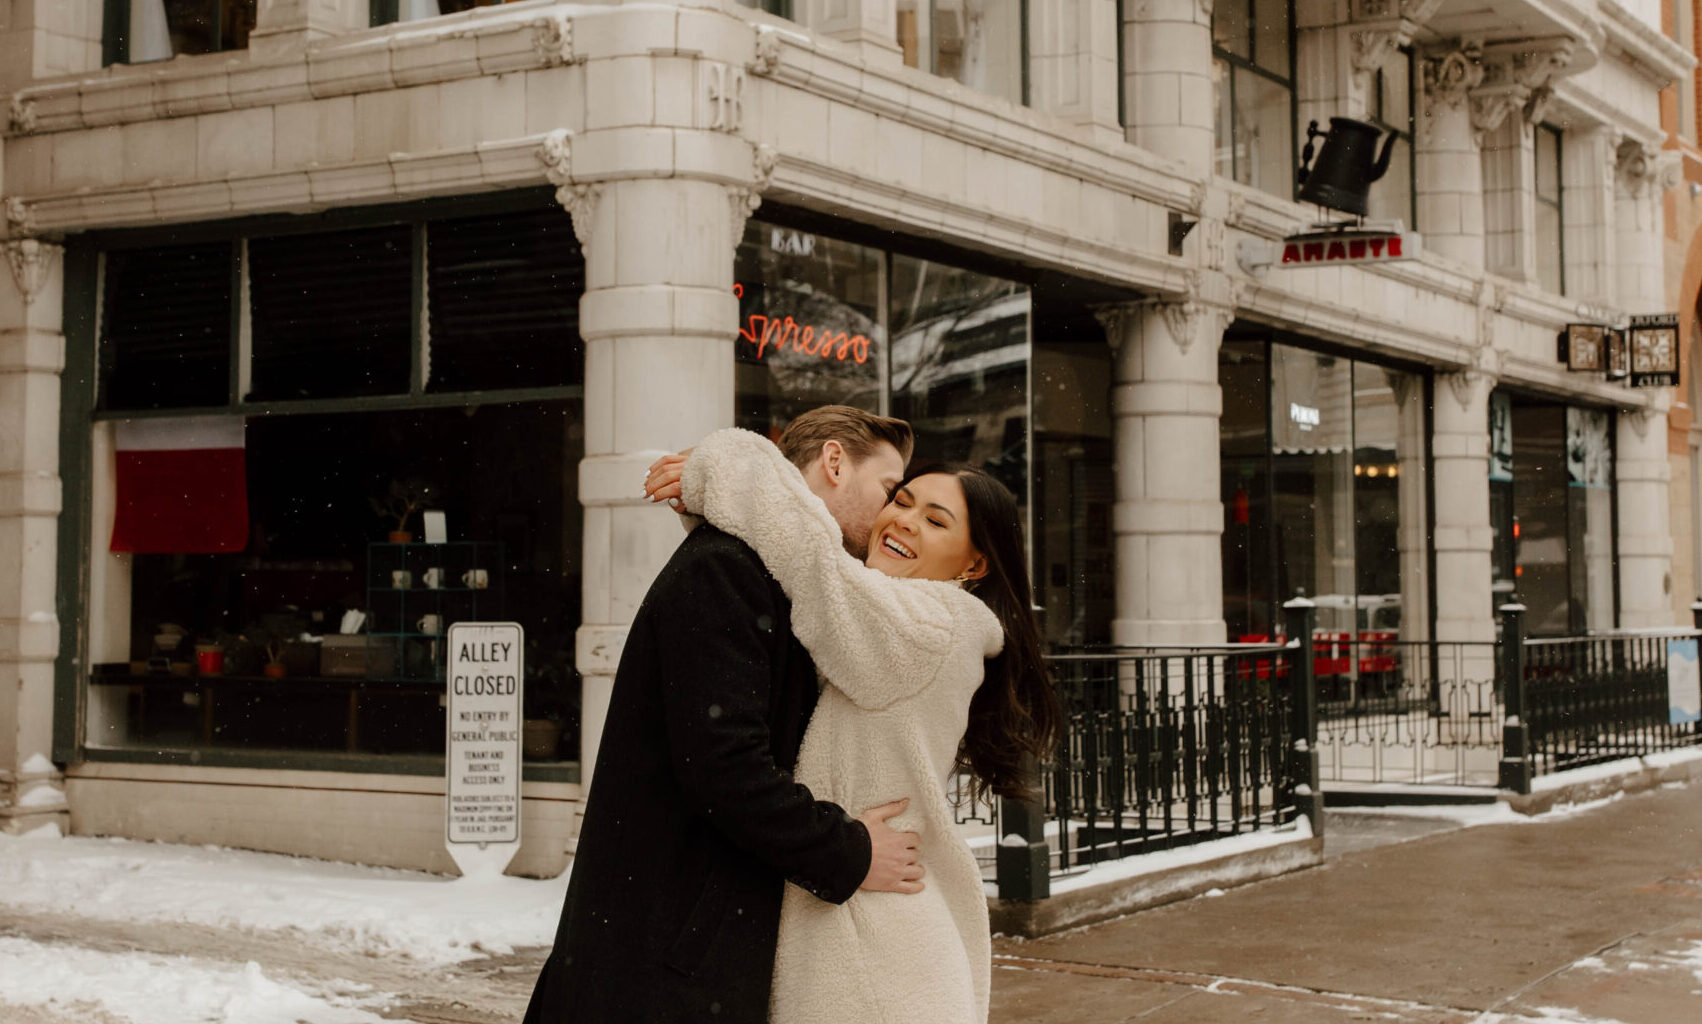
<point x="182" y="486"/>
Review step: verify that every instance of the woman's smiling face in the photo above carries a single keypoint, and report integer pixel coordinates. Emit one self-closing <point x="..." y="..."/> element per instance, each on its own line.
<point x="923" y="532"/>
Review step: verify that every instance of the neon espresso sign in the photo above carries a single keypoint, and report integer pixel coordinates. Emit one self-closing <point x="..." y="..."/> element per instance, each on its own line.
<point x="778" y="334"/>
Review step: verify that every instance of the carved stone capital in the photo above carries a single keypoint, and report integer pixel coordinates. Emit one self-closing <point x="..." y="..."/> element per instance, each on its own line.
<point x="745" y="199"/>
<point x="1450" y="77"/>
<point x="1490" y="106"/>
<point x="1470" y="387"/>
<point x="1117" y="318"/>
<point x="1640" y="418"/>
<point x="1382" y="26"/>
<point x="578" y="198"/>
<point x="32" y="262"/>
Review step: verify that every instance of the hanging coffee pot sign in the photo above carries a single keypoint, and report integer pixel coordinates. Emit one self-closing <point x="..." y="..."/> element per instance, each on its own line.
<point x="1347" y="164"/>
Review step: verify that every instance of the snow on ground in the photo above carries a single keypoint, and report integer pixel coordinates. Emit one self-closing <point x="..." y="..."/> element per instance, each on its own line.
<point x="81" y="984"/>
<point x="1475" y="815"/>
<point x="344" y="907"/>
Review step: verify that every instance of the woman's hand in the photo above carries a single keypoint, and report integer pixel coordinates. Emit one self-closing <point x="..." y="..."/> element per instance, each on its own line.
<point x="662" y="481"/>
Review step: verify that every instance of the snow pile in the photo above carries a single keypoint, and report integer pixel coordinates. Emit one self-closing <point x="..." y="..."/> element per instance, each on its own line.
<point x="146" y="989"/>
<point x="345" y="907"/>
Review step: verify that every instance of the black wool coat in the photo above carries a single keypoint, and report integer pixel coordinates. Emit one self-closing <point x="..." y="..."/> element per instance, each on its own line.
<point x="693" y="823"/>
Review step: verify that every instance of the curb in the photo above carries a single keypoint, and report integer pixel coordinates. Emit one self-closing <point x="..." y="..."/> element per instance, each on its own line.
<point x="1638" y="775"/>
<point x="1033" y="918"/>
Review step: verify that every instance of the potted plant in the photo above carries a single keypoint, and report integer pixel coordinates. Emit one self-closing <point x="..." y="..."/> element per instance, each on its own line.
<point x="400" y="501"/>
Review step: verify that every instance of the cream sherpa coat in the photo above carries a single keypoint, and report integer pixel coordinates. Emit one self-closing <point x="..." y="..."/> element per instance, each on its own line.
<point x="900" y="659"/>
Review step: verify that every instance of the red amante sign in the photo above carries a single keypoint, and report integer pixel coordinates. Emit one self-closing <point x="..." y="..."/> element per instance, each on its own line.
<point x="774" y="334"/>
<point x="1362" y="249"/>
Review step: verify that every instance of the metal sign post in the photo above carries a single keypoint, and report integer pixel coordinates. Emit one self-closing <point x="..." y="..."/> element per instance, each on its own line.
<point x="482" y="762"/>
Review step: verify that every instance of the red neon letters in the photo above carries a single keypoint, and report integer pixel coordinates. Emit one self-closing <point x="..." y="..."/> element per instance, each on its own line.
<point x="776" y="333"/>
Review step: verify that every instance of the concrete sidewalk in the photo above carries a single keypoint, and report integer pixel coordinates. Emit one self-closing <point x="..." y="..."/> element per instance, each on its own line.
<point x="1595" y="916"/>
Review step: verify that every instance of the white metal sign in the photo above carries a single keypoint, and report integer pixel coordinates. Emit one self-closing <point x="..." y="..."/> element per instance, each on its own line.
<point x="483" y="762"/>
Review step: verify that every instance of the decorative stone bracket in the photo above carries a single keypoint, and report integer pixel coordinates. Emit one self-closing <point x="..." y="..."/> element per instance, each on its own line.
<point x="32" y="263"/>
<point x="1519" y="76"/>
<point x="1380" y="27"/>
<point x="1640" y="171"/>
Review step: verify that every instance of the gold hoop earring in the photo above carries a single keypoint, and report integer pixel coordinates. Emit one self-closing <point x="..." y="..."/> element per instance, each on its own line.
<point x="962" y="578"/>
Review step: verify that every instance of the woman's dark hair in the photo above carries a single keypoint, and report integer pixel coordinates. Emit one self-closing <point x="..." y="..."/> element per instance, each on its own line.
<point x="1015" y="712"/>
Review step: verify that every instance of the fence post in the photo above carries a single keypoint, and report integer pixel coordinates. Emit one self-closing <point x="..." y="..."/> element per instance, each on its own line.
<point x="1301" y="616"/>
<point x="1023" y="861"/>
<point x="1516" y="732"/>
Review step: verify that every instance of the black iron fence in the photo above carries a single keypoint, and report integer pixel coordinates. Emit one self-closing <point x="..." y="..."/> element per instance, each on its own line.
<point x="1442" y="713"/>
<point x="1162" y="747"/>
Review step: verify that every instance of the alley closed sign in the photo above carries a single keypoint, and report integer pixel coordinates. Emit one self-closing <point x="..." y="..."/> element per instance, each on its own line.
<point x="483" y="762"/>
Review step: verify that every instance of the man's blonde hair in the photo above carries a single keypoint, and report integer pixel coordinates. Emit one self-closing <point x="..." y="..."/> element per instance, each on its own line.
<point x="858" y="432"/>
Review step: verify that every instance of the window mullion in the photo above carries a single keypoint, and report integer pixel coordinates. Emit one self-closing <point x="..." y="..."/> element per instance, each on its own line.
<point x="242" y="347"/>
<point x="419" y="351"/>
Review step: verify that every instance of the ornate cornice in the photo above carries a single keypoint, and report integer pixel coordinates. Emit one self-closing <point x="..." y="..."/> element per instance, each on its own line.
<point x="553" y="39"/>
<point x="1382" y="26"/>
<point x="765" y="59"/>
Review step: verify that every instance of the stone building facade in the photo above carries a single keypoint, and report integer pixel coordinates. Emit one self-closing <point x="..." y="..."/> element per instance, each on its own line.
<point x="494" y="259"/>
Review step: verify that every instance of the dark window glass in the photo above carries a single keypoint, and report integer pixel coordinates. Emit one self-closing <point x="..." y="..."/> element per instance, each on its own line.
<point x="504" y="302"/>
<point x="1244" y="440"/>
<point x="318" y="550"/>
<point x="960" y="367"/>
<point x="1253" y="94"/>
<point x="809" y="326"/>
<point x="1072" y="477"/>
<point x="331" y="313"/>
<point x="1539" y="505"/>
<point x="165" y="327"/>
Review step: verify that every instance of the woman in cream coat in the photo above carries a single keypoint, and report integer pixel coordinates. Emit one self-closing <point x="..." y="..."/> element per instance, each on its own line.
<point x="923" y="677"/>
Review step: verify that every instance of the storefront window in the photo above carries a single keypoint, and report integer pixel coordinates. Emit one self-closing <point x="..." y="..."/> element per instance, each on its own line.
<point x="1323" y="466"/>
<point x="816" y="314"/>
<point x="1557" y="508"/>
<point x="960" y="367"/>
<point x="266" y="577"/>
<point x="978" y="43"/>
<point x="810" y="326"/>
<point x="1072" y="476"/>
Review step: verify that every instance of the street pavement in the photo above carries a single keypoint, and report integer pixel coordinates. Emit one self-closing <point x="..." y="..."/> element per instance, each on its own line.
<point x="1595" y="916"/>
<point x="1591" y="917"/>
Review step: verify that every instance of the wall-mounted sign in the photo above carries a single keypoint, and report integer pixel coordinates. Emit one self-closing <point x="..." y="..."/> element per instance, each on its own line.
<point x="1654" y="350"/>
<point x="1336" y="248"/>
<point x="1305" y="416"/>
<point x="484" y="705"/>
<point x="1584" y="347"/>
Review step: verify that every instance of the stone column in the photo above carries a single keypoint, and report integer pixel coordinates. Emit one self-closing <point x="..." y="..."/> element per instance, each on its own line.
<point x="1588" y="162"/>
<point x="1072" y="63"/>
<point x="1517" y="88"/>
<point x="32" y="355"/>
<point x="44" y="38"/>
<point x="1168" y="516"/>
<point x="869" y="25"/>
<point x="1459" y="448"/>
<point x="1167" y="79"/>
<point x="1449" y="169"/>
<point x="1641" y="477"/>
<point x="283" y="29"/>
<point x="659" y="320"/>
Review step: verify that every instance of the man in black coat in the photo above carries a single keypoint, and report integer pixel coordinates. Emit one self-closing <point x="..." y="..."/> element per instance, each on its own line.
<point x="694" y="824"/>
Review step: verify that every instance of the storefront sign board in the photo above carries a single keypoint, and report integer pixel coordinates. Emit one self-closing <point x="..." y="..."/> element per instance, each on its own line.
<point x="1339" y="248"/>
<point x="1654" y="350"/>
<point x="482" y="798"/>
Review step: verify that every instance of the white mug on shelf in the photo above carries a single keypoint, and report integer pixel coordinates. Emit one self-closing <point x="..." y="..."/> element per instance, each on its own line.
<point x="432" y="578"/>
<point x="401" y="579"/>
<point x="430" y="625"/>
<point x="475" y="579"/>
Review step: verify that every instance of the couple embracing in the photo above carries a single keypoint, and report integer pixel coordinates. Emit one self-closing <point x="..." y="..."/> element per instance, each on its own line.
<point x="769" y="836"/>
